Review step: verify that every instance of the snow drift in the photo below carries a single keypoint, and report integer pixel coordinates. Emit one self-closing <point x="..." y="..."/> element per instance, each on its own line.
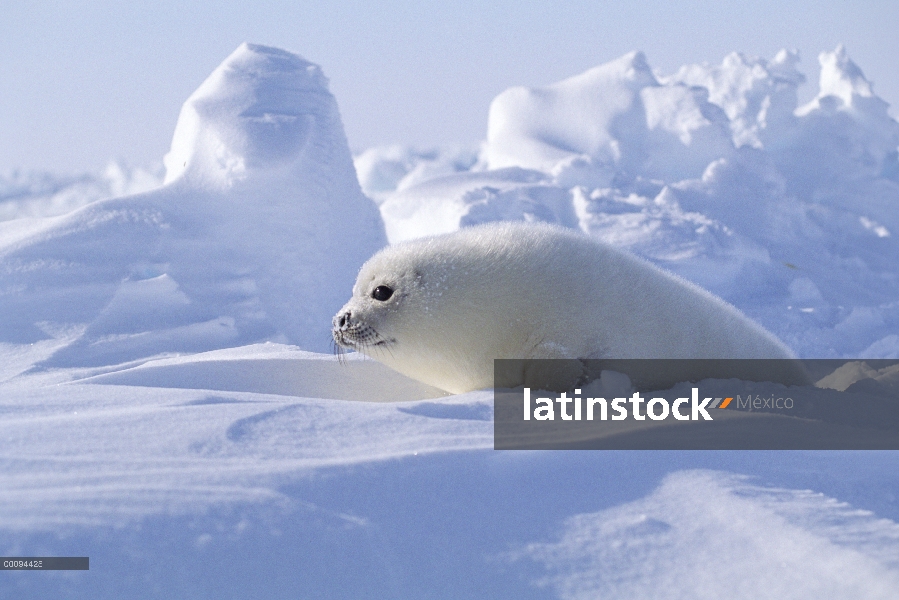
<point x="768" y="543"/>
<point x="715" y="172"/>
<point x="615" y="117"/>
<point x="257" y="234"/>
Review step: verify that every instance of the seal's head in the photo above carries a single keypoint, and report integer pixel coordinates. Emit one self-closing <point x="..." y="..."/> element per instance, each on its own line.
<point x="370" y="322"/>
<point x="440" y="309"/>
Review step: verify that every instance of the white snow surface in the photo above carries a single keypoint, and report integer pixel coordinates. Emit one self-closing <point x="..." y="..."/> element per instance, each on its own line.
<point x="256" y="235"/>
<point x="35" y="194"/>
<point x="734" y="538"/>
<point x="715" y="172"/>
<point x="168" y="408"/>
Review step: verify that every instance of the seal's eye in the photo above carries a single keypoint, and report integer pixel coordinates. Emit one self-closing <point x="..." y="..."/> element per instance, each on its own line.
<point x="382" y="293"/>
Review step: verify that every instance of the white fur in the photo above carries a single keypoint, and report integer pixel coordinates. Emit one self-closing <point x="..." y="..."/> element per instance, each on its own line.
<point x="516" y="290"/>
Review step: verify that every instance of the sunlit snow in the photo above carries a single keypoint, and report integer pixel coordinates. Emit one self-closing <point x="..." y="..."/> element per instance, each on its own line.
<point x="169" y="405"/>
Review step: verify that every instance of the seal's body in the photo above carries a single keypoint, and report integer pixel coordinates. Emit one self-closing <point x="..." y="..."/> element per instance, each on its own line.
<point x="441" y="309"/>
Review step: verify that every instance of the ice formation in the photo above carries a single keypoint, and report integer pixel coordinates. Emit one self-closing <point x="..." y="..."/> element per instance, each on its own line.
<point x="257" y="233"/>
<point x="714" y="172"/>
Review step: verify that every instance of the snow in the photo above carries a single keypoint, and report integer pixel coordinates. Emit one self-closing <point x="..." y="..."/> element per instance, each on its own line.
<point x="728" y="534"/>
<point x="256" y="235"/>
<point x="169" y="408"/>
<point x="715" y="173"/>
<point x="45" y="194"/>
<point x="216" y="427"/>
<point x="394" y="168"/>
<point x="616" y="117"/>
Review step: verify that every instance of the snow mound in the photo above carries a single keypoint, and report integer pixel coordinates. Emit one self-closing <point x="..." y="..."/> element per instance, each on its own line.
<point x="616" y="117"/>
<point x="257" y="234"/>
<point x="778" y="543"/>
<point x="715" y="173"/>
<point x="758" y="96"/>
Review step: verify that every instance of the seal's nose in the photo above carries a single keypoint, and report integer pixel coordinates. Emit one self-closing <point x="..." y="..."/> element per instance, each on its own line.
<point x="342" y="320"/>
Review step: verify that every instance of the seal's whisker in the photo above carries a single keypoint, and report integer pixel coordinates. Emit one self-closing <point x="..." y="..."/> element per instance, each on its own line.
<point x="337" y="348"/>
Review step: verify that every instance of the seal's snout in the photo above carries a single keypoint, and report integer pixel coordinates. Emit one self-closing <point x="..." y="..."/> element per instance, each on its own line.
<point x="342" y="320"/>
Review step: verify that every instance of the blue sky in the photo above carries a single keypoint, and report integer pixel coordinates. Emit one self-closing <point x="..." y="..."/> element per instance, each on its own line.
<point x="84" y="82"/>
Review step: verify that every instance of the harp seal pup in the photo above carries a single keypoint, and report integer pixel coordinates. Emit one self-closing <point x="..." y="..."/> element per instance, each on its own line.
<point x="440" y="309"/>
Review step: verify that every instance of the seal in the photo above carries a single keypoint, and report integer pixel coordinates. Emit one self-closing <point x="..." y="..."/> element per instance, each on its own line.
<point x="440" y="309"/>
